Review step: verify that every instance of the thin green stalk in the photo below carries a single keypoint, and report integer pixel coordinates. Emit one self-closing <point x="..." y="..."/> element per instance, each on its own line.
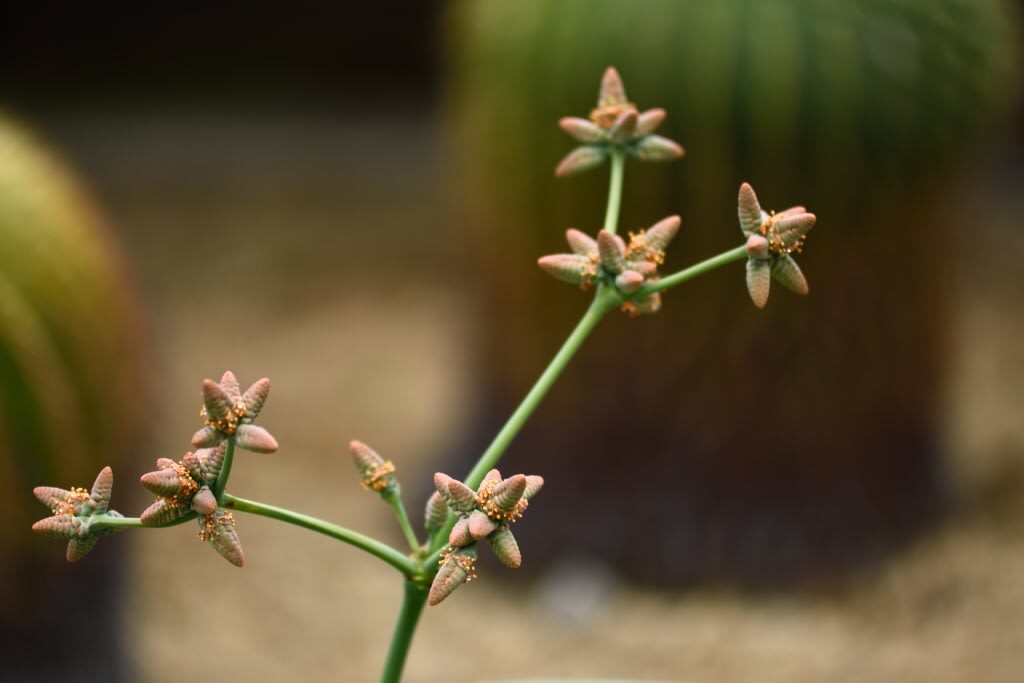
<point x="108" y="521"/>
<point x="604" y="301"/>
<point x="737" y="254"/>
<point x="412" y="606"/>
<point x="225" y="470"/>
<point x="611" y="215"/>
<point x="395" y="501"/>
<point x="370" y="545"/>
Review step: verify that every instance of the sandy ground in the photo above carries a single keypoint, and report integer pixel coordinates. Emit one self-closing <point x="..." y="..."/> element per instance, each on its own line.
<point x="307" y="295"/>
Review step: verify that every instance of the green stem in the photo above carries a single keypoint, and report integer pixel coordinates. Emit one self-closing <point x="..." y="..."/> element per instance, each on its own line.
<point x="394" y="499"/>
<point x="412" y="606"/>
<point x="605" y="299"/>
<point x="225" y="471"/>
<point x="611" y="215"/>
<point x="115" y="522"/>
<point x="737" y="254"/>
<point x="370" y="545"/>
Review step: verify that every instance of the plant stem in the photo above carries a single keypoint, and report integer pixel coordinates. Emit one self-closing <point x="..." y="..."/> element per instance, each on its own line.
<point x="394" y="499"/>
<point x="611" y="214"/>
<point x="737" y="254"/>
<point x="605" y="299"/>
<point x="370" y="545"/>
<point x="225" y="470"/>
<point x="412" y="606"/>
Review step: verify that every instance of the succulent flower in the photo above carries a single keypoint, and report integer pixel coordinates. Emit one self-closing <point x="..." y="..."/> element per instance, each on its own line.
<point x="186" y="487"/>
<point x="627" y="266"/>
<point x="74" y="512"/>
<point x="377" y="473"/>
<point x="615" y="122"/>
<point x="771" y="239"/>
<point x="183" y="487"/>
<point x="228" y="412"/>
<point x="486" y="513"/>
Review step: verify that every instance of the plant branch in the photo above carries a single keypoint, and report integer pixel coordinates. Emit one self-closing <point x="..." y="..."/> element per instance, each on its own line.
<point x="737" y="254"/>
<point x="414" y="599"/>
<point x="605" y="299"/>
<point x="611" y="215"/>
<point x="374" y="547"/>
<point x="394" y="499"/>
<point x="225" y="470"/>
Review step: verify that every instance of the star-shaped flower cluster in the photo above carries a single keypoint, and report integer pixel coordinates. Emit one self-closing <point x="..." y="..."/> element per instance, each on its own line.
<point x="486" y="513"/>
<point x="74" y="511"/>
<point x="185" y="487"/>
<point x="615" y="122"/>
<point x="771" y="239"/>
<point x="627" y="265"/>
<point x="228" y="412"/>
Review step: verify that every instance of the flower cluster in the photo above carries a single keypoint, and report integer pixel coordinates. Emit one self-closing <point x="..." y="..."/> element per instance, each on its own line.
<point x="615" y="123"/>
<point x="627" y="265"/>
<point x="74" y="512"/>
<point x="186" y="487"/>
<point x="377" y="474"/>
<point x="228" y="412"/>
<point x="771" y="238"/>
<point x="486" y="513"/>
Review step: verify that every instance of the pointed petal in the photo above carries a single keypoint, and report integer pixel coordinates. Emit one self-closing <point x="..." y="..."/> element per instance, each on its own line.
<point x="162" y="482"/>
<point x="366" y="459"/>
<point x="59" y="526"/>
<point x="79" y="547"/>
<point x="505" y="547"/>
<point x="758" y="281"/>
<point x="492" y="476"/>
<point x="612" y="91"/>
<point x="628" y="281"/>
<point x="661" y="233"/>
<point x="101" y="490"/>
<point x="254" y="397"/>
<point x="217" y="402"/>
<point x="624" y="128"/>
<point x="788" y="273"/>
<point x="458" y="496"/>
<point x="582" y="129"/>
<point x="533" y="485"/>
<point x="166" y="464"/>
<point x="508" y="492"/>
<point x="218" y="530"/>
<point x="163" y="511"/>
<point x="649" y="120"/>
<point x="51" y="496"/>
<point x="612" y="250"/>
<point x="479" y="525"/>
<point x="581" y="159"/>
<point x="204" y="502"/>
<point x="210" y="461"/>
<point x="460" y="534"/>
<point x="207" y="437"/>
<point x="436" y="513"/>
<point x="229" y="383"/>
<point x="749" y="210"/>
<point x="255" y="438"/>
<point x="792" y="229"/>
<point x="456" y="569"/>
<point x="572" y="268"/>
<point x="656" y="148"/>
<point x="581" y="243"/>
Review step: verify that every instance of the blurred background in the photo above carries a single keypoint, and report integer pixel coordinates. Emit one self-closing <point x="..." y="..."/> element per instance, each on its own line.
<point x="351" y="202"/>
